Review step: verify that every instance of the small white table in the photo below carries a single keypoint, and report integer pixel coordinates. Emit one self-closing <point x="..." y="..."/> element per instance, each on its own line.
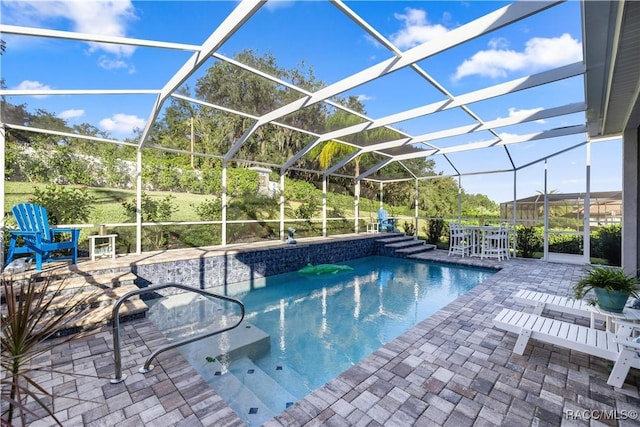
<point x="106" y="249"/>
<point x="372" y="227"/>
<point x="628" y="314"/>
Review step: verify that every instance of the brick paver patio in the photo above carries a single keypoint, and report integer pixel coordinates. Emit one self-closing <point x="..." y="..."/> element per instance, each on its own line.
<point x="453" y="369"/>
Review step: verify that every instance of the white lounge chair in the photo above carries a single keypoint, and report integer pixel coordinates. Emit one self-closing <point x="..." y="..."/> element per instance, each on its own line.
<point x="541" y="301"/>
<point x="620" y="347"/>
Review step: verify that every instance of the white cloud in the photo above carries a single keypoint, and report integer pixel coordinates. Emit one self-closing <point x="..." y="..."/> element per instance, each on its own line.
<point x="513" y="112"/>
<point x="498" y="43"/>
<point x="114" y="64"/>
<point x="538" y="53"/>
<point x="71" y="114"/>
<point x="122" y="123"/>
<point x="507" y="136"/>
<point x="33" y="85"/>
<point x="364" y="97"/>
<point x="94" y="17"/>
<point x="417" y="29"/>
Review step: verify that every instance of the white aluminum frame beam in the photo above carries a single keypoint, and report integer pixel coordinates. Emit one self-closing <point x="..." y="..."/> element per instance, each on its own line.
<point x="383" y="41"/>
<point x="232" y="23"/>
<point x="505" y="88"/>
<point x="493" y="124"/>
<point x="523" y="83"/>
<point x="551" y="133"/>
<point x="481" y="26"/>
<point x="68" y="134"/>
<point x="97" y="38"/>
<point x="52" y="92"/>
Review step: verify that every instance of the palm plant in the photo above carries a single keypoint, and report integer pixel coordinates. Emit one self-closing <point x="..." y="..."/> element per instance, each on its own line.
<point x="608" y="283"/>
<point x="29" y="320"/>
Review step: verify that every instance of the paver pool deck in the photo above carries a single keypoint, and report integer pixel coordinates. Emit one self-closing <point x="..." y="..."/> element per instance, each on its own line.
<point x="453" y="369"/>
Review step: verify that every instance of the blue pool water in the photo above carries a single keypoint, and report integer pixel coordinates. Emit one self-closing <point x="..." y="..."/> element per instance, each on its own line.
<point x="301" y="331"/>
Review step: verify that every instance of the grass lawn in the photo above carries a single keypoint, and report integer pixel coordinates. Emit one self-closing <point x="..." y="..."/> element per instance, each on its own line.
<point x="108" y="209"/>
<point x="107" y="204"/>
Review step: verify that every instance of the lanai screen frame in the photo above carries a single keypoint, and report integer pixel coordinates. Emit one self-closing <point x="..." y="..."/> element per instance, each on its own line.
<point x="408" y="147"/>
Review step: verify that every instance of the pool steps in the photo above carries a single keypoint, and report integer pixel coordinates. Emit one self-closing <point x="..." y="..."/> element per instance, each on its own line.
<point x="94" y="295"/>
<point x="403" y="246"/>
<point x="253" y="392"/>
<point x="226" y="361"/>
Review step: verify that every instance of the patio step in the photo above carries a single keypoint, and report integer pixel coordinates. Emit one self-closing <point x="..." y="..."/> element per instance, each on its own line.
<point x="92" y="297"/>
<point x="77" y="283"/>
<point x="407" y="243"/>
<point x="402" y="246"/>
<point x="420" y="247"/>
<point x="394" y="238"/>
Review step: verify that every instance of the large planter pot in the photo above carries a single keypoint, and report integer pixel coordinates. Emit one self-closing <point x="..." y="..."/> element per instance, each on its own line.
<point x="613" y="301"/>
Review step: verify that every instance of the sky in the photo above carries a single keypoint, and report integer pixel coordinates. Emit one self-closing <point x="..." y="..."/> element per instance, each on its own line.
<point x="317" y="34"/>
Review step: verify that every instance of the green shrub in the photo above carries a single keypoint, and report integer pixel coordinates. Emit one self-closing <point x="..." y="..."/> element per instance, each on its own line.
<point x="191" y="182"/>
<point x="65" y="205"/>
<point x="433" y="230"/>
<point x="209" y="210"/>
<point x="566" y="244"/>
<point x="528" y="241"/>
<point x="299" y="190"/>
<point x="153" y="210"/>
<point x="241" y="182"/>
<point x="309" y="206"/>
<point x="607" y="243"/>
<point x="409" y="228"/>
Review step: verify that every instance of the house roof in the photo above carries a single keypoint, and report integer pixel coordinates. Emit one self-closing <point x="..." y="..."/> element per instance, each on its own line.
<point x="596" y="197"/>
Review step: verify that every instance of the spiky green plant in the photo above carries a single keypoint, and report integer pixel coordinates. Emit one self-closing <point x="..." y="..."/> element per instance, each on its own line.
<point x="29" y="320"/>
<point x="609" y="279"/>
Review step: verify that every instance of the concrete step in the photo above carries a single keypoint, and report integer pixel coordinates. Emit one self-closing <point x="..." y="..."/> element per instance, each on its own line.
<point x="412" y="250"/>
<point x="394" y="239"/>
<point x="91" y="298"/>
<point x="246" y="340"/>
<point x="242" y="399"/>
<point x="270" y="392"/>
<point x="74" y="284"/>
<point x="90" y="319"/>
<point x="62" y="270"/>
<point x="405" y="243"/>
<point x="285" y="375"/>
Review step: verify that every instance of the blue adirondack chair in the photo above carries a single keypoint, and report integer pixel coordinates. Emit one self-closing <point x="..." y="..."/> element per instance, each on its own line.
<point x="38" y="239"/>
<point x="385" y="223"/>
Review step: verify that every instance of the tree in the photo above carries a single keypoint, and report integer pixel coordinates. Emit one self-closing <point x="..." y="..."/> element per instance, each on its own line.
<point x="325" y="154"/>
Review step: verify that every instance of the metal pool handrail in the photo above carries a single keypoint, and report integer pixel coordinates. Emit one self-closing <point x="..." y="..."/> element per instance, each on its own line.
<point x="147" y="365"/>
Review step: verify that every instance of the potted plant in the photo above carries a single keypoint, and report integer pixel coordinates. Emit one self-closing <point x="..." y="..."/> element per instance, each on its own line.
<point x="612" y="287"/>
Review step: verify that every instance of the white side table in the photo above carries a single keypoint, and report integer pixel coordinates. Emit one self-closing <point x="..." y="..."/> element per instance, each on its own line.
<point x="372" y="227"/>
<point x="101" y="249"/>
<point x="628" y="314"/>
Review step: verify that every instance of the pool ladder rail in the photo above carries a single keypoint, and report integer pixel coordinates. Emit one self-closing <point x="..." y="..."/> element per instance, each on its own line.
<point x="119" y="376"/>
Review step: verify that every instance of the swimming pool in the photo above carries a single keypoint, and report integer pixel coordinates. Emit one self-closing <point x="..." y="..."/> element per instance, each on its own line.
<point x="301" y="331"/>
